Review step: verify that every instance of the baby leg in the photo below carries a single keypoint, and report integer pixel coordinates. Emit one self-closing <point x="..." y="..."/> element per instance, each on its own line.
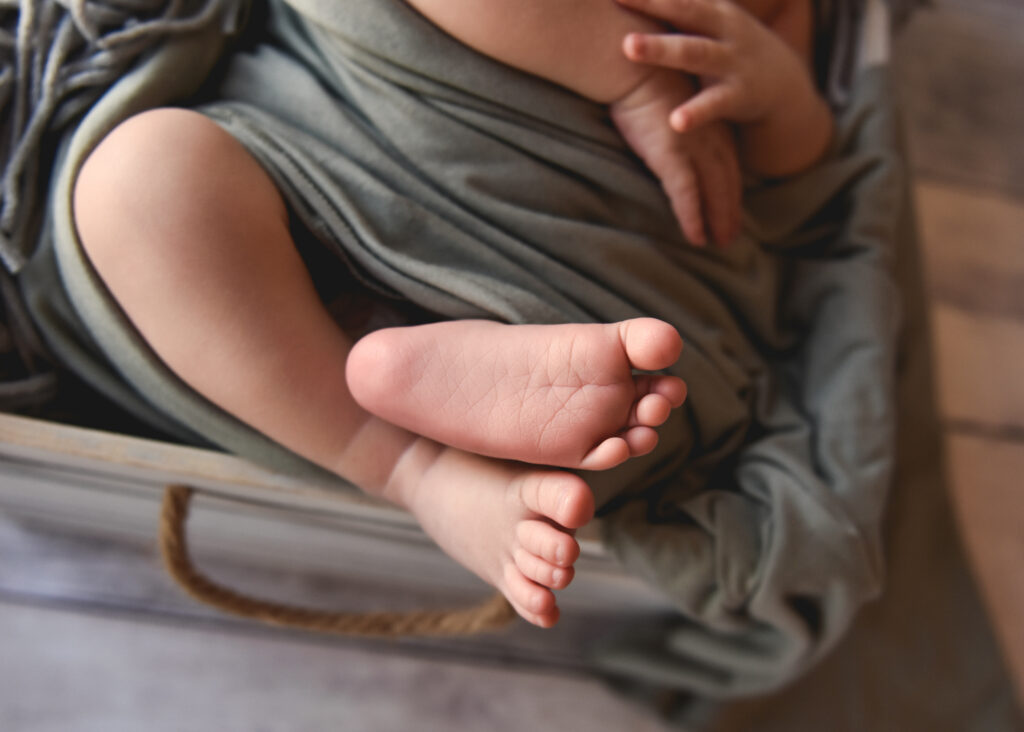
<point x="191" y="237"/>
<point x="562" y="395"/>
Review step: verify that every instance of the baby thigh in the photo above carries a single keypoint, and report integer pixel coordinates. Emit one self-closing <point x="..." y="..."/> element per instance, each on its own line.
<point x="191" y="237"/>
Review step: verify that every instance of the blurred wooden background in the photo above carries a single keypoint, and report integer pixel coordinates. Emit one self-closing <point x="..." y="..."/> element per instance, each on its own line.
<point x="960" y="72"/>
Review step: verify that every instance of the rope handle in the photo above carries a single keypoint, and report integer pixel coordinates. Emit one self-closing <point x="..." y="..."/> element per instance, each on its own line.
<point x="491" y="615"/>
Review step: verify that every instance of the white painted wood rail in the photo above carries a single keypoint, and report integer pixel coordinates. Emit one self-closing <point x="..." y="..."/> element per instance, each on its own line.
<point x="112" y="484"/>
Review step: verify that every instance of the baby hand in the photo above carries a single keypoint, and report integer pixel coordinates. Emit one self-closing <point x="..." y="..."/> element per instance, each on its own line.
<point x="748" y="73"/>
<point x="699" y="170"/>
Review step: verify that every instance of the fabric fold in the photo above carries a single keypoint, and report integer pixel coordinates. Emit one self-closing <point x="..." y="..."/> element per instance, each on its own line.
<point x="440" y="177"/>
<point x="478" y="191"/>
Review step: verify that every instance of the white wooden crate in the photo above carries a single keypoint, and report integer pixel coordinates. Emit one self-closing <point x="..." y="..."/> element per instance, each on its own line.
<point x="112" y="484"/>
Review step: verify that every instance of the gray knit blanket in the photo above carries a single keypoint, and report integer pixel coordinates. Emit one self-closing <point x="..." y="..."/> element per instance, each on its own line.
<point x="56" y="58"/>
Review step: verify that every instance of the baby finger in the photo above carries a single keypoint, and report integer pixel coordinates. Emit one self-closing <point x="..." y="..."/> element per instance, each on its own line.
<point x="708" y="105"/>
<point x="718" y="206"/>
<point x="693" y="54"/>
<point x="729" y="163"/>
<point x="684" y="194"/>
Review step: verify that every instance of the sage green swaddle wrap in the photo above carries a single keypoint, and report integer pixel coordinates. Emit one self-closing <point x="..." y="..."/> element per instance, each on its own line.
<point x="444" y="178"/>
<point x="477" y="191"/>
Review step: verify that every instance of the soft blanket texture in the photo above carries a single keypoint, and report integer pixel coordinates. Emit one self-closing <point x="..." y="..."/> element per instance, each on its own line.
<point x="454" y="182"/>
<point x="56" y="58"/>
<point x="476" y="191"/>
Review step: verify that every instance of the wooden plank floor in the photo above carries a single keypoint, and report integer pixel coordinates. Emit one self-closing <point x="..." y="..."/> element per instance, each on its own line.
<point x="81" y="672"/>
<point x="95" y="636"/>
<point x="961" y="76"/>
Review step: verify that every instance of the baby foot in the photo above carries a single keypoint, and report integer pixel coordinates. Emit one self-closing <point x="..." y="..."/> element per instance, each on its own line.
<point x="512" y="527"/>
<point x="560" y="395"/>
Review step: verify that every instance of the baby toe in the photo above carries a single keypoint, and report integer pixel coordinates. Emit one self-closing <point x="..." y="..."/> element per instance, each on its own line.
<point x="543" y="572"/>
<point x="545" y="541"/>
<point x="641" y="440"/>
<point x="534" y="603"/>
<point x="562" y="497"/>
<point x="543" y="620"/>
<point x="609" y="453"/>
<point x="650" y="344"/>
<point x="671" y="388"/>
<point x="652" y="410"/>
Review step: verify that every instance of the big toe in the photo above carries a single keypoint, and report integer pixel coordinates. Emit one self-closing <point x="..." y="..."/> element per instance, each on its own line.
<point x="562" y="497"/>
<point x="650" y="344"/>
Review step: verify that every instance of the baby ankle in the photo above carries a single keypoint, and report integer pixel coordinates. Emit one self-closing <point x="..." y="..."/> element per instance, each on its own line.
<point x="413" y="462"/>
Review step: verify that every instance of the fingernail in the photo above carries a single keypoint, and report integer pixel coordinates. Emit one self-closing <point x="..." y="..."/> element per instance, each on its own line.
<point x="634" y="44"/>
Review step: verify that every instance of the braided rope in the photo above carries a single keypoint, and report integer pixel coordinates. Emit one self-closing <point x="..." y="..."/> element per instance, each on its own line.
<point x="491" y="615"/>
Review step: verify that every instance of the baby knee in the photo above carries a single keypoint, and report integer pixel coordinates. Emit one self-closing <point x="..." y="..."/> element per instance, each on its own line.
<point x="140" y="174"/>
<point x="145" y="152"/>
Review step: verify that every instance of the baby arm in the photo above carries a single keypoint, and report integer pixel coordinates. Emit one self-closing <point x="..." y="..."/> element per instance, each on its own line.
<point x="577" y="44"/>
<point x="750" y="76"/>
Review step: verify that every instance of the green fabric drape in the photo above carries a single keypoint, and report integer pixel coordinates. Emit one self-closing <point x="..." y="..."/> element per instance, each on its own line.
<point x="473" y="190"/>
